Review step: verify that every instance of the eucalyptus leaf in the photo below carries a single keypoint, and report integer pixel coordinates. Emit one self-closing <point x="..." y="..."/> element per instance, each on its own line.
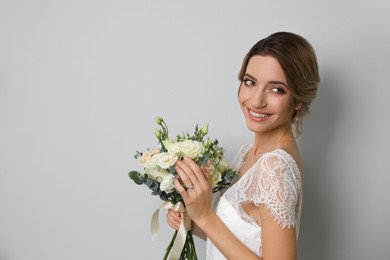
<point x="137" y="177"/>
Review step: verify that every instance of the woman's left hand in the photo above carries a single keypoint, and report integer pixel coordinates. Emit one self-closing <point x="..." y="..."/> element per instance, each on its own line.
<point x="195" y="189"/>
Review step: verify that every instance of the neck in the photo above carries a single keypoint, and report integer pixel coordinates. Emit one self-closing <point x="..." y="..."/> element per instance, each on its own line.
<point x="265" y="142"/>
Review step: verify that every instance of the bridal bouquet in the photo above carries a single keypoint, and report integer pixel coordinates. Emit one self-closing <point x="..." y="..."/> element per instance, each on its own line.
<point x="158" y="174"/>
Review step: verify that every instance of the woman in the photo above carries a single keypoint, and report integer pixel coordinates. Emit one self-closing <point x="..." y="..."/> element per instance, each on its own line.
<point x="258" y="216"/>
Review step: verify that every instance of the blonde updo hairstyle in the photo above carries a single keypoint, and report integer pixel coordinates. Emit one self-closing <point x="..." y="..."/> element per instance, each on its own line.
<point x="299" y="63"/>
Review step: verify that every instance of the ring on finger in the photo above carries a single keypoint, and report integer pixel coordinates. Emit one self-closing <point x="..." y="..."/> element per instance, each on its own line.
<point x="190" y="187"/>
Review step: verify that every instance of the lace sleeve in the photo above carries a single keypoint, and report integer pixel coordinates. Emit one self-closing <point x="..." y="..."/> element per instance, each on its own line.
<point x="237" y="161"/>
<point x="274" y="182"/>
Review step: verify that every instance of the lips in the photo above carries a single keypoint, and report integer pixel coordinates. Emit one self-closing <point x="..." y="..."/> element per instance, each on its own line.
<point x="258" y="116"/>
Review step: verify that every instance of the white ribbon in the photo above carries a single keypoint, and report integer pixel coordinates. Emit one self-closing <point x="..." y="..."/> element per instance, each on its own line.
<point x="185" y="226"/>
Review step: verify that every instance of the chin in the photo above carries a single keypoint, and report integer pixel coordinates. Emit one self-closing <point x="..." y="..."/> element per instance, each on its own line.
<point x="254" y="126"/>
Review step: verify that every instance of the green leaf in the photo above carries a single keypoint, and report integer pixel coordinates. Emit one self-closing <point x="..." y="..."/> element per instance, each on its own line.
<point x="137" y="155"/>
<point x="203" y="160"/>
<point x="153" y="185"/>
<point x="137" y="177"/>
<point x="172" y="170"/>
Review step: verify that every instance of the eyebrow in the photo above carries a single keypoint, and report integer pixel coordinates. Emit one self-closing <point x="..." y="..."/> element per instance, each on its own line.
<point x="270" y="82"/>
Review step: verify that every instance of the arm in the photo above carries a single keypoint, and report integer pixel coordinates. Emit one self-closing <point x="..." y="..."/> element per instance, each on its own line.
<point x="278" y="240"/>
<point x="277" y="243"/>
<point x="199" y="208"/>
<point x="197" y="231"/>
<point x="271" y="197"/>
<point x="216" y="228"/>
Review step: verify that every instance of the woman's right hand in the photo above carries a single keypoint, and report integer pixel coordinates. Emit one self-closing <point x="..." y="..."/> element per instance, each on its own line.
<point x="173" y="219"/>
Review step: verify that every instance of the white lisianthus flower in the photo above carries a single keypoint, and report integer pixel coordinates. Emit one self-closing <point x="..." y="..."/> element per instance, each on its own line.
<point x="166" y="160"/>
<point x="167" y="184"/>
<point x="162" y="160"/>
<point x="190" y="148"/>
<point x="157" y="173"/>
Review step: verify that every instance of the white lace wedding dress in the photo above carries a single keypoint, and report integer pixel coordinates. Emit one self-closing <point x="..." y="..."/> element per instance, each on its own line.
<point x="275" y="181"/>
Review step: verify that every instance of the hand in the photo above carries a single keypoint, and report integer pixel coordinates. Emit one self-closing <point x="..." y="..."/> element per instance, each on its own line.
<point x="173" y="219"/>
<point x="195" y="190"/>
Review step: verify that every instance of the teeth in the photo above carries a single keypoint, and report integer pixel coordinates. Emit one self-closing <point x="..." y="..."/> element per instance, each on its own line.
<point x="258" y="115"/>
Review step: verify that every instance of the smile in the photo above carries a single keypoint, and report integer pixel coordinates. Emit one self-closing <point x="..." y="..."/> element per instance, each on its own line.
<point x="258" y="115"/>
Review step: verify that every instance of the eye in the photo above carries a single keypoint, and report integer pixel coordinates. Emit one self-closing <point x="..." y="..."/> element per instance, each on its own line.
<point x="278" y="90"/>
<point x="248" y="82"/>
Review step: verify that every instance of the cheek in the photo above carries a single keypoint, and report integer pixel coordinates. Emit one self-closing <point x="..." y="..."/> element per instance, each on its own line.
<point x="280" y="103"/>
<point x="288" y="108"/>
<point x="239" y="95"/>
<point x="243" y="94"/>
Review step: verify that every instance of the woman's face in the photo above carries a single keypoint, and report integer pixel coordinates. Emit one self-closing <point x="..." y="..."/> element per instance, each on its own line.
<point x="265" y="99"/>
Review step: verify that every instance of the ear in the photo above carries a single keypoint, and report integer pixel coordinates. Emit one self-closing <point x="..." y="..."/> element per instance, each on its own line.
<point x="298" y="106"/>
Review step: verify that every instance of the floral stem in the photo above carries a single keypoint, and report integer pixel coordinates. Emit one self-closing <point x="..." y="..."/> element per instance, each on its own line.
<point x="168" y="250"/>
<point x="195" y="257"/>
<point x="166" y="128"/>
<point x="187" y="248"/>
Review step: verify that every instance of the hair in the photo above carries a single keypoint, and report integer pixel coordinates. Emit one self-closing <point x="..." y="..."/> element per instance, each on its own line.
<point x="299" y="63"/>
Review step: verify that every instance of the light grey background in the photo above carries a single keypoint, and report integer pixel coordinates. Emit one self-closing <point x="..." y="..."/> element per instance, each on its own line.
<point x="82" y="81"/>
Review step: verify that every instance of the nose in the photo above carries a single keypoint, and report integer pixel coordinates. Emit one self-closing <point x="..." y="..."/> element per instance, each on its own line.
<point x="259" y="98"/>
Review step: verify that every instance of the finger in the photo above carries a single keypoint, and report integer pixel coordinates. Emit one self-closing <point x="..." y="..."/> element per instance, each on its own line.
<point x="180" y="189"/>
<point x="174" y="214"/>
<point x="173" y="219"/>
<point x="206" y="174"/>
<point x="186" y="174"/>
<point x="195" y="173"/>
<point x="173" y="225"/>
<point x="199" y="173"/>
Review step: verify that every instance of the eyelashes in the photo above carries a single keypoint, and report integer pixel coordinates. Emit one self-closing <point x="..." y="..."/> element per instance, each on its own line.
<point x="277" y="90"/>
<point x="274" y="88"/>
<point x="248" y="82"/>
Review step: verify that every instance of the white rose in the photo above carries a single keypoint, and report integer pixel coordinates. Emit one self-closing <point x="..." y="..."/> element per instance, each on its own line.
<point x="163" y="160"/>
<point x="190" y="148"/>
<point x="157" y="174"/>
<point x="167" y="184"/>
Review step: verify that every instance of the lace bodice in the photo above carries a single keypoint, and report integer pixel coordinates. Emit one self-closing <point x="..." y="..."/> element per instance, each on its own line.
<point x="275" y="181"/>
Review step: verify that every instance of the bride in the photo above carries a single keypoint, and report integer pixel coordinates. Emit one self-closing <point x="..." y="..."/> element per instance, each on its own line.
<point x="258" y="216"/>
